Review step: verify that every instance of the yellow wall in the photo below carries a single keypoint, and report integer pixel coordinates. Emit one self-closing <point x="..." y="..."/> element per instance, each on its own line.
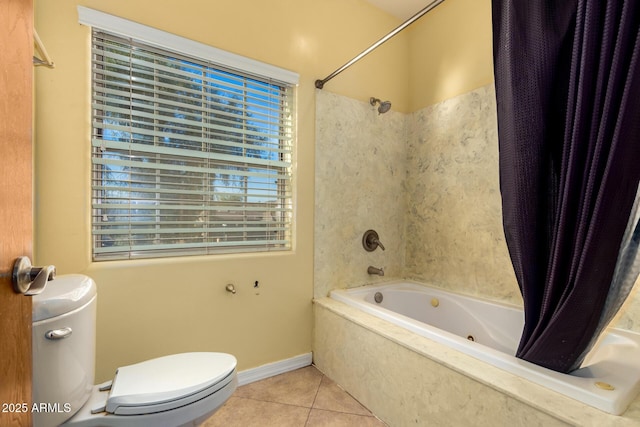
<point x="156" y="307"/>
<point x="450" y="52"/>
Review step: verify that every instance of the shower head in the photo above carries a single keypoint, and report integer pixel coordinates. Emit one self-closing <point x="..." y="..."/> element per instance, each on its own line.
<point x="383" y="106"/>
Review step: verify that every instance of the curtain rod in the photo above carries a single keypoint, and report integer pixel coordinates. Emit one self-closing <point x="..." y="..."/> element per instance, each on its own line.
<point x="320" y="83"/>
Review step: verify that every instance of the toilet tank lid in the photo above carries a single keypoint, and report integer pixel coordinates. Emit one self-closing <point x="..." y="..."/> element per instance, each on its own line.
<point x="62" y="295"/>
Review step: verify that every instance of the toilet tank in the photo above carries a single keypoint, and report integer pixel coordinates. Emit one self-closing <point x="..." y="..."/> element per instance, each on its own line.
<point x="63" y="335"/>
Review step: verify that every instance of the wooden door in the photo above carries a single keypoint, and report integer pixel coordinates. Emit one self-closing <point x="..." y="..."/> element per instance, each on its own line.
<point x="16" y="230"/>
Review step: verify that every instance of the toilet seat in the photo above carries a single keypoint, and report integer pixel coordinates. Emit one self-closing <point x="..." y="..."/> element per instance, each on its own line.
<point x="168" y="382"/>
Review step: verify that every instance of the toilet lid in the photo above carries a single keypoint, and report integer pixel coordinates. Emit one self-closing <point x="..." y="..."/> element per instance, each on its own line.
<point x="168" y="382"/>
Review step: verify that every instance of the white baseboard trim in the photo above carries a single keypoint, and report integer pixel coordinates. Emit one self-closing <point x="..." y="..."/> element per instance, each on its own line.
<point x="272" y="369"/>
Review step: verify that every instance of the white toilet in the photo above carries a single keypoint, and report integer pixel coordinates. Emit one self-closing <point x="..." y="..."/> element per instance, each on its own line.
<point x="181" y="389"/>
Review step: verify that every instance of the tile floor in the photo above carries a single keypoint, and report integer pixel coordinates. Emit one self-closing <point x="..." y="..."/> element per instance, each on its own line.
<point x="301" y="398"/>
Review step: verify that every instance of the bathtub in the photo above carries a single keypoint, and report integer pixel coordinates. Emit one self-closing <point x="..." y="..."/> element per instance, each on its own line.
<point x="609" y="379"/>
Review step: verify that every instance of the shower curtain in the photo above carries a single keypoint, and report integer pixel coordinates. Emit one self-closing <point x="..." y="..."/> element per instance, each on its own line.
<point x="568" y="95"/>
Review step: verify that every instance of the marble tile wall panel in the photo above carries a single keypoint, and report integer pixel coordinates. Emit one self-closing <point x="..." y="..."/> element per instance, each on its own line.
<point x="359" y="185"/>
<point x="454" y="217"/>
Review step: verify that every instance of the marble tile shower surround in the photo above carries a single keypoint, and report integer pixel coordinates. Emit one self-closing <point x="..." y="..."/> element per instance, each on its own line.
<point x="454" y="214"/>
<point x="428" y="183"/>
<point x="360" y="185"/>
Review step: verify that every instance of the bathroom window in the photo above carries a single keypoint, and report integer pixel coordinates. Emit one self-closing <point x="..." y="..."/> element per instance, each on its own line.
<point x="189" y="157"/>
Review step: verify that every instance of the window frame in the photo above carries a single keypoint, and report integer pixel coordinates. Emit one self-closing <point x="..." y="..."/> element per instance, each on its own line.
<point x="215" y="59"/>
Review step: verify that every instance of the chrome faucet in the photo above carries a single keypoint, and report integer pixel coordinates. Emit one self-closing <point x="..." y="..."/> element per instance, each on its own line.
<point x="375" y="270"/>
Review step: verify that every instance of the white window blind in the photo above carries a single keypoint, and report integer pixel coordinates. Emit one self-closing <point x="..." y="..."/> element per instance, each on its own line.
<point x="189" y="157"/>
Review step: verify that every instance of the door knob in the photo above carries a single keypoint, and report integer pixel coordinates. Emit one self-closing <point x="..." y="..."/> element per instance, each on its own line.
<point x="29" y="280"/>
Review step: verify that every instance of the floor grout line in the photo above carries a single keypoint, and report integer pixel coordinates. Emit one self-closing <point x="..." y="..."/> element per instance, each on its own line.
<point x="319" y="414"/>
<point x="314" y="399"/>
<point x="273" y="401"/>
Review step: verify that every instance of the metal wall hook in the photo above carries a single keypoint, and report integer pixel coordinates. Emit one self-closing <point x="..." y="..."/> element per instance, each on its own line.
<point x="29" y="280"/>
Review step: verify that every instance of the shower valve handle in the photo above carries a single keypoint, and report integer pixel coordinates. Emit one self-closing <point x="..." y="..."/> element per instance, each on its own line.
<point x="370" y="241"/>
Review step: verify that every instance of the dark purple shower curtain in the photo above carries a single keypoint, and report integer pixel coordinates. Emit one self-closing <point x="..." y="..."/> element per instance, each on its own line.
<point x="568" y="94"/>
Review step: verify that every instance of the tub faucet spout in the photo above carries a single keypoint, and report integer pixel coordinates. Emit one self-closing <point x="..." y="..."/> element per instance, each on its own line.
<point x="375" y="270"/>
